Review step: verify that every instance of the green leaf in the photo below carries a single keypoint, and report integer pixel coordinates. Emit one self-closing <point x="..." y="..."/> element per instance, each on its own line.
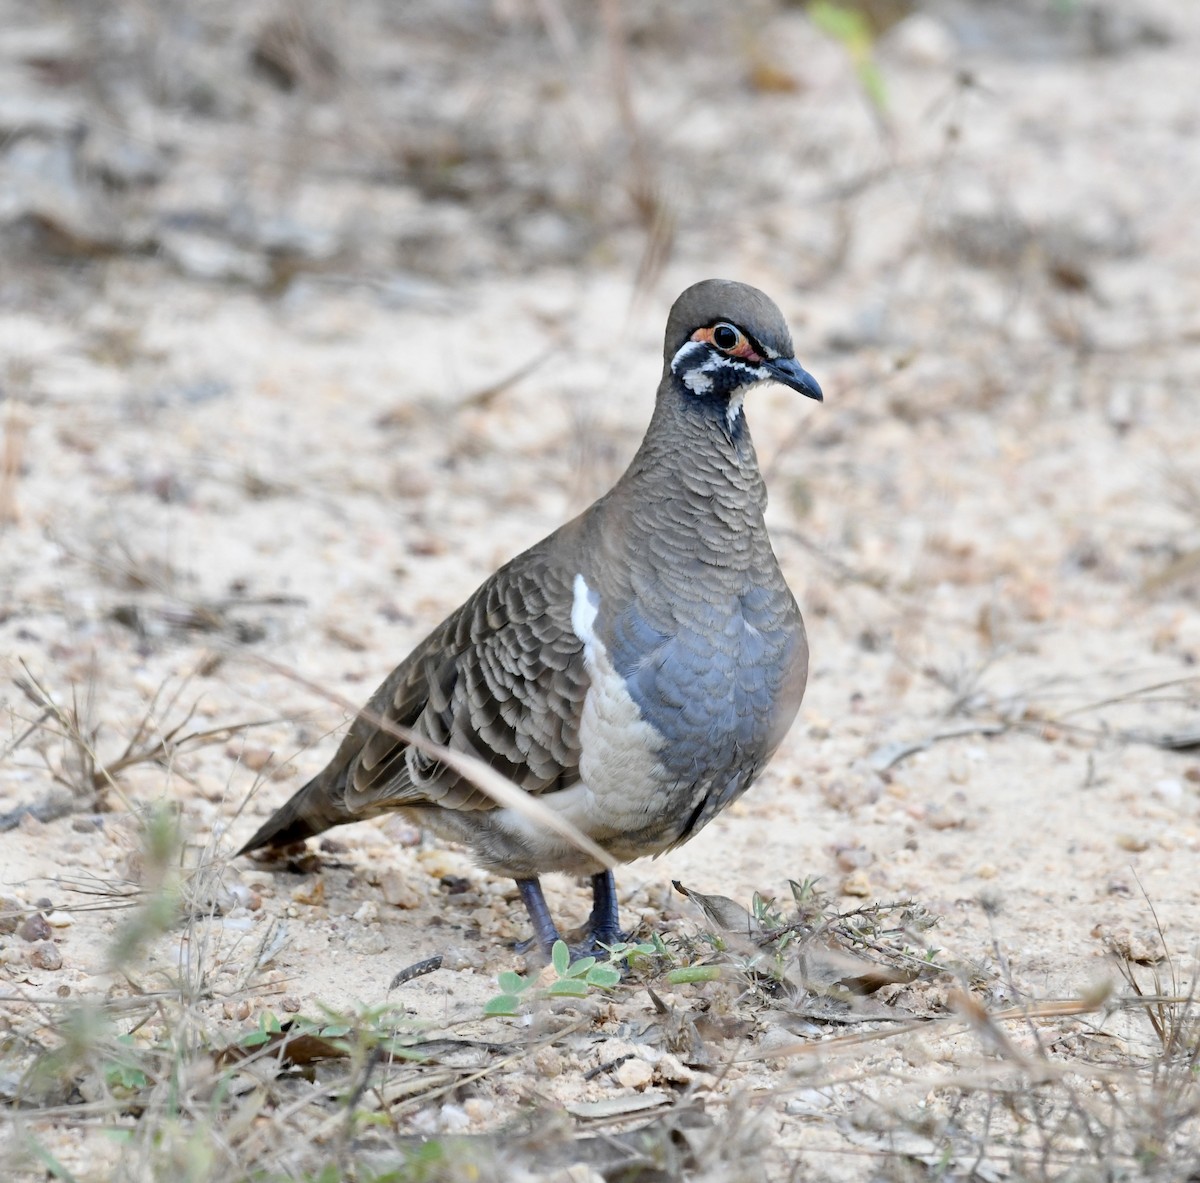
<point x="842" y="24"/>
<point x="125" y="1076"/>
<point x="642" y="949"/>
<point x="852" y="29"/>
<point x="570" y="987"/>
<point x="694" y="973"/>
<point x="560" y="956"/>
<point x="603" y="975"/>
<point x="580" y="967"/>
<point x="872" y="82"/>
<point x="511" y="983"/>
<point x="336" y="1029"/>
<point x="502" y="1004"/>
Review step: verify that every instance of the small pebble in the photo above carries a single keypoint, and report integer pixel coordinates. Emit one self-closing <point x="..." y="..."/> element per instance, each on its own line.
<point x="1168" y="789"/>
<point x="1134" y="843"/>
<point x="45" y="955"/>
<point x="1142" y="946"/>
<point x="34" y="928"/>
<point x="940" y="818"/>
<point x="478" y="1109"/>
<point x="372" y="942"/>
<point x="289" y="1003"/>
<point x="459" y="957"/>
<point x="367" y="912"/>
<point x="672" y="1070"/>
<point x="634" y="1074"/>
<point x="852" y="858"/>
<point x="548" y="1062"/>
<point x="10" y="914"/>
<point x="455" y="1119"/>
<point x="775" y="1038"/>
<point x="857" y="884"/>
<point x="397" y="891"/>
<point x="312" y="893"/>
<point x="441" y="863"/>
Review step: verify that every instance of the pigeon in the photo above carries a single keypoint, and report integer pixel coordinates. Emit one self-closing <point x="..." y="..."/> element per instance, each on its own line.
<point x="634" y="671"/>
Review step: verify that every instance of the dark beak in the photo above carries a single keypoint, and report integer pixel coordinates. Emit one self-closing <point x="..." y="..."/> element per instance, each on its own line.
<point x="791" y="373"/>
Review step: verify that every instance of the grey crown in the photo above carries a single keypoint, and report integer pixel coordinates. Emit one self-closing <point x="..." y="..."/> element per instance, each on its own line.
<point x="636" y="669"/>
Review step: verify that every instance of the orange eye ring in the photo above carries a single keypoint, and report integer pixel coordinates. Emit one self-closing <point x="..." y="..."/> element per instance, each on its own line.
<point x="729" y="339"/>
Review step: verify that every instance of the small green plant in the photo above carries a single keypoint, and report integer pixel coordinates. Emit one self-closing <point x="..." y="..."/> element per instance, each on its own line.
<point x="158" y="909"/>
<point x="851" y="29"/>
<point x="687" y="974"/>
<point x="375" y="1031"/>
<point x="573" y="979"/>
<point x="123" y="1073"/>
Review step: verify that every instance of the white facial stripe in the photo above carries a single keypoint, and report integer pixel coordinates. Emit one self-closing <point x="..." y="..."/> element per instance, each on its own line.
<point x="694" y="364"/>
<point x="690" y="354"/>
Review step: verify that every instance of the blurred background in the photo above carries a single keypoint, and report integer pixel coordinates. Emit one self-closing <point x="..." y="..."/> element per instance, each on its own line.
<point x="269" y="266"/>
<point x="312" y="313"/>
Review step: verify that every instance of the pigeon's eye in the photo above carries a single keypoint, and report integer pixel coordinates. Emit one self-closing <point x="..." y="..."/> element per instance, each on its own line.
<point x="725" y="336"/>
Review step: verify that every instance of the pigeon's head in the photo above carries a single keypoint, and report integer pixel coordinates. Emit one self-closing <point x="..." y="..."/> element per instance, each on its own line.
<point x="724" y="336"/>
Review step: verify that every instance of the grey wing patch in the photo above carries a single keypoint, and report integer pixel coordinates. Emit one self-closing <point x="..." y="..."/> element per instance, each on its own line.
<point x="502" y="680"/>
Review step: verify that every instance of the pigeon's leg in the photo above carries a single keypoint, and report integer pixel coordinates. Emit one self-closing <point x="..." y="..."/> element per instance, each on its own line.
<point x="604" y="925"/>
<point x="544" y="932"/>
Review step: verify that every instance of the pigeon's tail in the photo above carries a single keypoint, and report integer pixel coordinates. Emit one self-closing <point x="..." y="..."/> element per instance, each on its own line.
<point x="311" y="810"/>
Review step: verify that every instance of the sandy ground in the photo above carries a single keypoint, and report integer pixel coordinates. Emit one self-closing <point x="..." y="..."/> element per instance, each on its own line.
<point x="273" y="404"/>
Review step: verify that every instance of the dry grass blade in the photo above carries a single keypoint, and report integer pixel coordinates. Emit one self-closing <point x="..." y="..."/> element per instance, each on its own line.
<point x="484" y="397"/>
<point x="148" y="744"/>
<point x="971" y="1016"/>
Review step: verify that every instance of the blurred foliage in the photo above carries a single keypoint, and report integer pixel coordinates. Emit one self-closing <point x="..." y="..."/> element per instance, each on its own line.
<point x="851" y="28"/>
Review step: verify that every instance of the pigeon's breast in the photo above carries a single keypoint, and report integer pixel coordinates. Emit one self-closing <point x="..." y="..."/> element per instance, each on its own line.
<point x="720" y="681"/>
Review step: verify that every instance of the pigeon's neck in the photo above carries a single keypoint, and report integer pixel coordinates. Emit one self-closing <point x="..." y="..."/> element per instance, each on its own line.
<point x="699" y="443"/>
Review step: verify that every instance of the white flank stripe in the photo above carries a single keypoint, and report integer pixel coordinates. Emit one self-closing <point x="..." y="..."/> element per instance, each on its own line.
<point x="734" y="409"/>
